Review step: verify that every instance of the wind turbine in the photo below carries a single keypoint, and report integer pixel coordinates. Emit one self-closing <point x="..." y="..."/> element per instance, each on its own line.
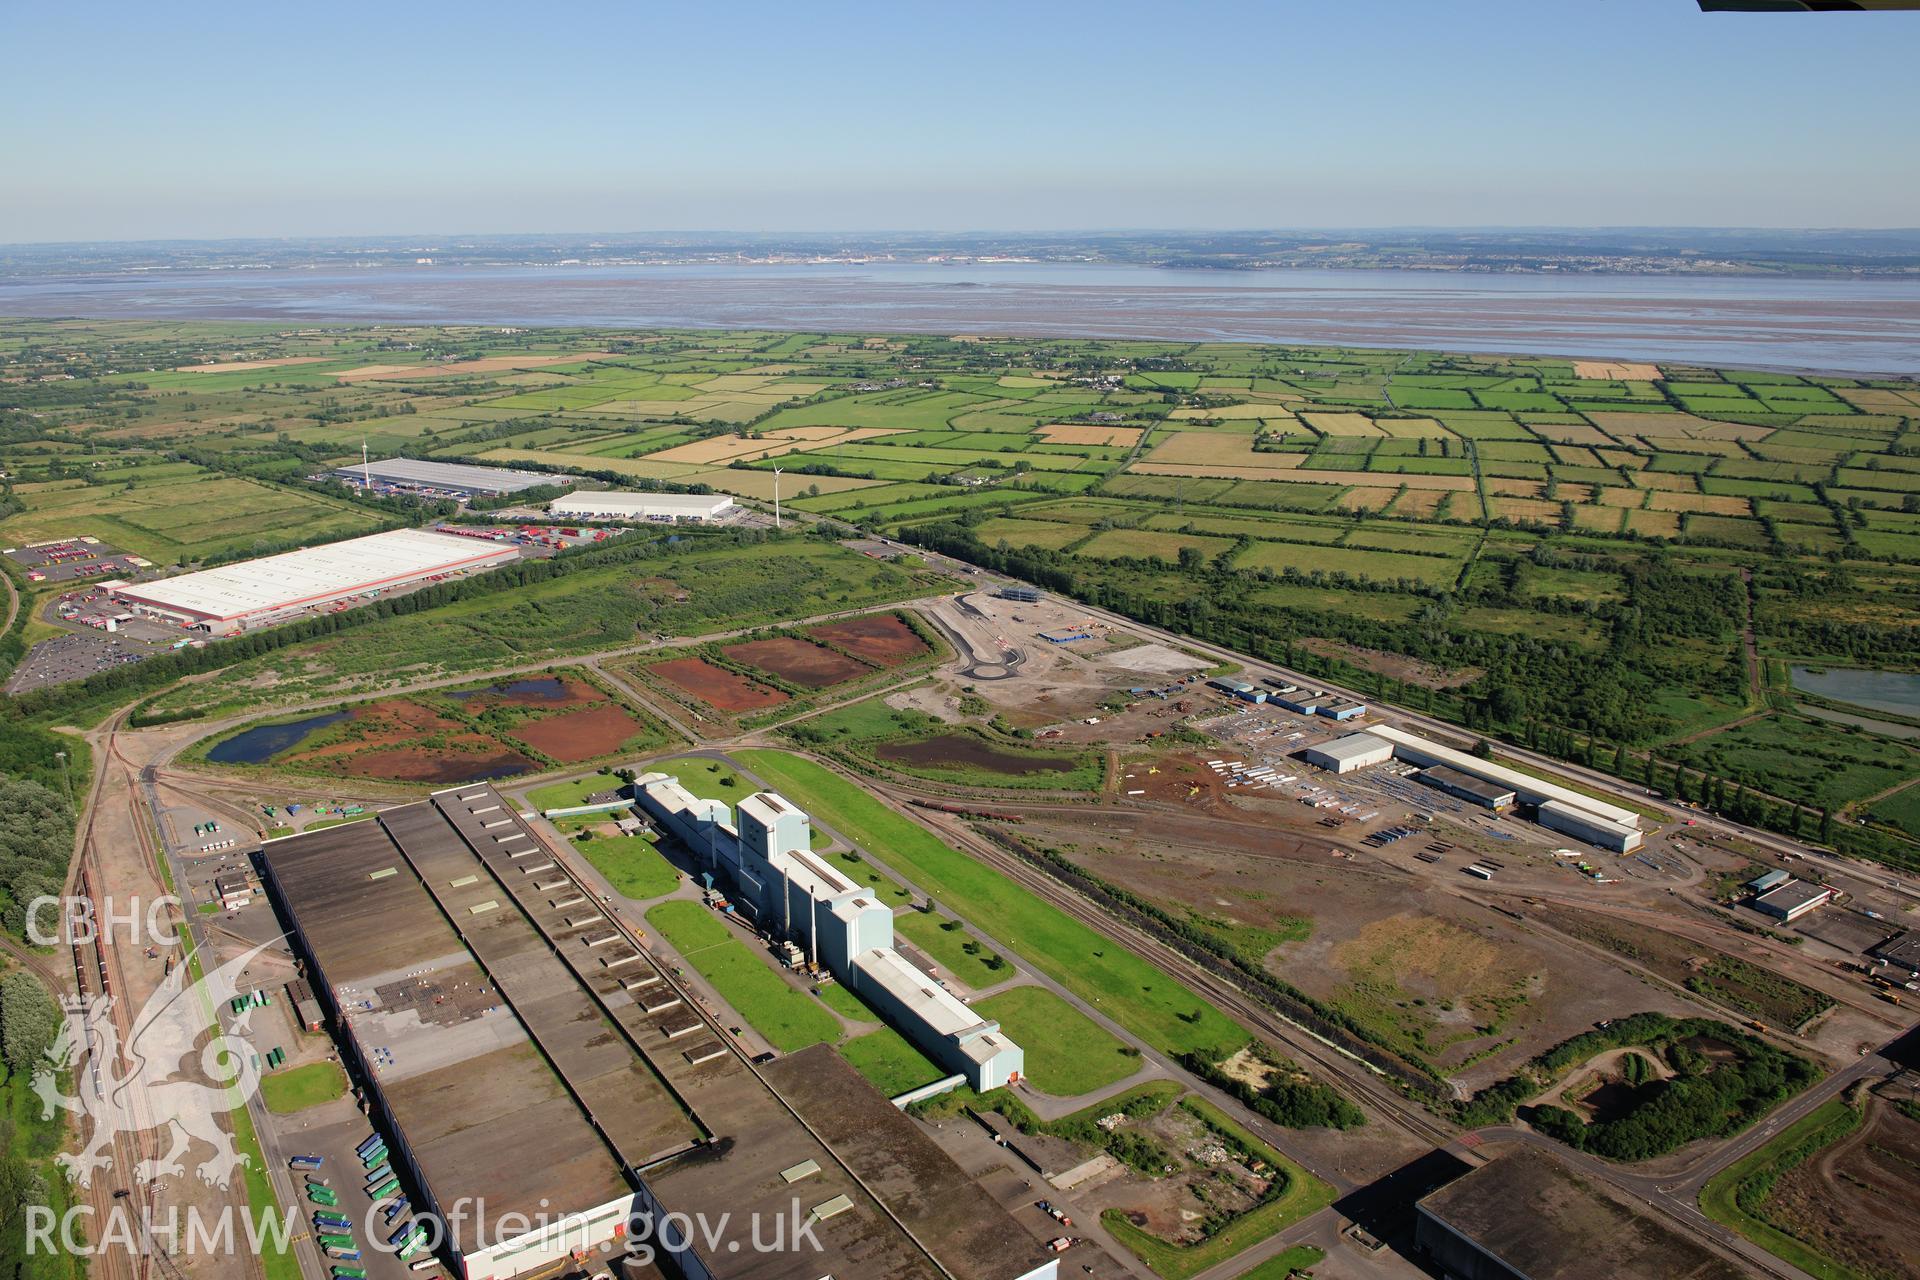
<point x="776" y="497"/>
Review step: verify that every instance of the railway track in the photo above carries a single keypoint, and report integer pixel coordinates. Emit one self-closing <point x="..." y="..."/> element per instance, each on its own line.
<point x="100" y="968"/>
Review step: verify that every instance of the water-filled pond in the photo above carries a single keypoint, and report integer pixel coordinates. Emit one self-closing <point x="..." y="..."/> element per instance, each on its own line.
<point x="263" y="742"/>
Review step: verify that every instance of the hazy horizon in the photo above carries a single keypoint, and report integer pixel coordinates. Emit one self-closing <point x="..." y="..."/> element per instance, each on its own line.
<point x="700" y="237"/>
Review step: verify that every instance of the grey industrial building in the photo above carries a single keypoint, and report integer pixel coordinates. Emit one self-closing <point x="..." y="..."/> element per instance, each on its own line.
<point x="1792" y="899"/>
<point x="1464" y="786"/>
<point x="525" y="1052"/>
<point x="442" y="479"/>
<point x="794" y="895"/>
<point x="1583" y="824"/>
<point x="1558" y="808"/>
<point x="1902" y="949"/>
<point x="1238" y="689"/>
<point x="1526" y="1216"/>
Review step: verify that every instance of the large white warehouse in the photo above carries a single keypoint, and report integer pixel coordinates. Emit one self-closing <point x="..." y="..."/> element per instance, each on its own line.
<point x="257" y="593"/>
<point x="669" y="508"/>
<point x="1355" y="751"/>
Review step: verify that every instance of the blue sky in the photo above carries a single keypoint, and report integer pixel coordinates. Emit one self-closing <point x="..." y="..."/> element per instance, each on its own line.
<point x="124" y="121"/>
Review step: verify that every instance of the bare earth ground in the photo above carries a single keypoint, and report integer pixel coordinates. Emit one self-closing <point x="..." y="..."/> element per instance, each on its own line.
<point x="1474" y="991"/>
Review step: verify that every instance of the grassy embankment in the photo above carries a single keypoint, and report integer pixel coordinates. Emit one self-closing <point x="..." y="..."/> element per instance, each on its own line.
<point x="1736" y="1196"/>
<point x="1135" y="994"/>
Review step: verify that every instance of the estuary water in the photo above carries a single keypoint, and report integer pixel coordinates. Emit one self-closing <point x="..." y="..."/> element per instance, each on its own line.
<point x="1895" y="691"/>
<point x="1847" y="326"/>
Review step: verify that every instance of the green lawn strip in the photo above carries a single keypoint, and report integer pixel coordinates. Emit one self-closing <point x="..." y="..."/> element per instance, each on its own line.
<point x="890" y="1061"/>
<point x="1068" y="1054"/>
<point x="1152" y="1005"/>
<point x="1721" y="1197"/>
<point x="631" y="864"/>
<point x="565" y="795"/>
<point x="847" y="1004"/>
<point x="707" y="778"/>
<point x="890" y="891"/>
<point x="336" y="822"/>
<point x="1302" y="1257"/>
<point x="297" y="1089"/>
<point x="1304" y="1195"/>
<point x="947" y="947"/>
<point x="279" y="1264"/>
<point x="789" y="1019"/>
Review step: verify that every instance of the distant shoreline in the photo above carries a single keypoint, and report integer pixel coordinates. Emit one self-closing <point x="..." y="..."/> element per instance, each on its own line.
<point x="1844" y="326"/>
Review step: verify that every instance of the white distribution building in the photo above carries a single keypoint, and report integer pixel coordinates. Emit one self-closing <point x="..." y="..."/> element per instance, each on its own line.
<point x="258" y="593"/>
<point x="666" y="508"/>
<point x="1355" y="751"/>
<point x="795" y="895"/>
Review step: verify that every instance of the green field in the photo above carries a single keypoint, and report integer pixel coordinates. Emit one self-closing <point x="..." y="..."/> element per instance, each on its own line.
<point x="1593" y="580"/>
<point x="576" y="791"/>
<point x="867" y="735"/>
<point x="298" y="1088"/>
<point x="1132" y="992"/>
<point x="947" y="945"/>
<point x="181" y="515"/>
<point x="845" y="1003"/>
<point x="1811" y="761"/>
<point x="1067" y="1052"/>
<point x="631" y="864"/>
<point x="789" y="1020"/>
<point x="1901" y="809"/>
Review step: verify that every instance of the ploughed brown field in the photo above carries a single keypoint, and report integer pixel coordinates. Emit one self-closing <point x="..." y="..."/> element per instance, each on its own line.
<point x="796" y="661"/>
<point x="963" y="751"/>
<point x="579" y="735"/>
<point x="716" y="686"/>
<point x="882" y="639"/>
